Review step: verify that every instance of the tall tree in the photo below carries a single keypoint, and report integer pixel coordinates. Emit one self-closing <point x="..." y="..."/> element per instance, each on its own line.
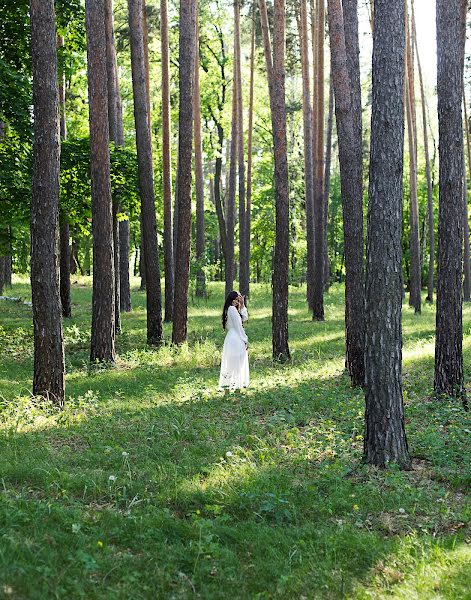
<point x="385" y="438"/>
<point x="328" y="161"/>
<point x="351" y="180"/>
<point x="414" y="238"/>
<point x="166" y="163"/>
<point x="308" y="148"/>
<point x="451" y="25"/>
<point x="103" y="319"/>
<point x="64" y="234"/>
<point x="249" y="148"/>
<point x="428" y="172"/>
<point x="318" y="289"/>
<point x="276" y="85"/>
<point x="199" y="178"/>
<point x="187" y="52"/>
<point x="48" y="378"/>
<point x="145" y="170"/>
<point x="466" y="249"/>
<point x="113" y="91"/>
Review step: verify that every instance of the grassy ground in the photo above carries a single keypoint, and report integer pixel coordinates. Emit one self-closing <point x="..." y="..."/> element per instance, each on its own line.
<point x="150" y="484"/>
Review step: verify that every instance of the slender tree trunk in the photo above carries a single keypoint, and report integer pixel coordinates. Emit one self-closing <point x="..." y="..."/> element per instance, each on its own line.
<point x="145" y="171"/>
<point x="199" y="179"/>
<point x="351" y="180"/>
<point x="113" y="91"/>
<point x="451" y="24"/>
<point x="328" y="160"/>
<point x="103" y="319"/>
<point x="466" y="254"/>
<point x="249" y="150"/>
<point x="182" y="256"/>
<point x="48" y="377"/>
<point x="415" y="270"/>
<point x="64" y="238"/>
<point x="431" y="228"/>
<point x="308" y="147"/>
<point x="231" y="192"/>
<point x="276" y="84"/>
<point x="124" y="249"/>
<point x="318" y="289"/>
<point x="243" y="264"/>
<point x="166" y="163"/>
<point x="385" y="437"/>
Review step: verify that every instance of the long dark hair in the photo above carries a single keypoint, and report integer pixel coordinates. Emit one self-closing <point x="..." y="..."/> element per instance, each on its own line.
<point x="231" y="296"/>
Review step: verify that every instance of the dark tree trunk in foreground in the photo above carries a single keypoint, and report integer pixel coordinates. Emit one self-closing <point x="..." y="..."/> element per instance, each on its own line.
<point x="64" y="237"/>
<point x="199" y="179"/>
<point x="308" y="148"/>
<point x="103" y="318"/>
<point x="428" y="173"/>
<point x="185" y="138"/>
<point x="385" y="437"/>
<point x="318" y="289"/>
<point x="276" y="83"/>
<point x="145" y="172"/>
<point x="328" y="161"/>
<point x="113" y="91"/>
<point x="351" y="180"/>
<point x="48" y="378"/>
<point x="166" y="164"/>
<point x="451" y="24"/>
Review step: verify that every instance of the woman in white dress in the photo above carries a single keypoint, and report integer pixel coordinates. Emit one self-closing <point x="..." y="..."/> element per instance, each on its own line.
<point x="235" y="361"/>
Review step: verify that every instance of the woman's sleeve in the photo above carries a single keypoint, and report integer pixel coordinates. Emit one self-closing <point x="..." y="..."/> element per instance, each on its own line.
<point x="244" y="314"/>
<point x="236" y="323"/>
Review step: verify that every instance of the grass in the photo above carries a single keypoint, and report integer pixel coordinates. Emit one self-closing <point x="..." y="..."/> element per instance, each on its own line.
<point x="150" y="484"/>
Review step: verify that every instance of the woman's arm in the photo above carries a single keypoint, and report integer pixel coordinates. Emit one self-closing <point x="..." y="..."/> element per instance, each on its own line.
<point x="244" y="315"/>
<point x="236" y="323"/>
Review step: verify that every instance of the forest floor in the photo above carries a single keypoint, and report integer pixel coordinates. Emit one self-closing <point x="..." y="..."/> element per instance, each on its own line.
<point x="151" y="484"/>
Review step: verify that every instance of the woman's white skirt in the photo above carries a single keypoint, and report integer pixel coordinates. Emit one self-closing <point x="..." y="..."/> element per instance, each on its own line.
<point x="234" y="364"/>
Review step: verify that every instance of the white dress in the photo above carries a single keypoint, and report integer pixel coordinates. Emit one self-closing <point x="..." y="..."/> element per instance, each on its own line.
<point x="235" y="361"/>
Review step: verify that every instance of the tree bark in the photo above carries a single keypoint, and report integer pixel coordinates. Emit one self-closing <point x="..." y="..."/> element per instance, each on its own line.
<point x="308" y="148"/>
<point x="187" y="54"/>
<point x="113" y="91"/>
<point x="328" y="160"/>
<point x="248" y="221"/>
<point x="145" y="171"/>
<point x="103" y="318"/>
<point x="385" y="438"/>
<point x="48" y="377"/>
<point x="430" y="218"/>
<point x="276" y="83"/>
<point x="318" y="289"/>
<point x="451" y="25"/>
<point x="351" y="180"/>
<point x="466" y="253"/>
<point x="166" y="163"/>
<point x="199" y="179"/>
<point x="415" y="271"/>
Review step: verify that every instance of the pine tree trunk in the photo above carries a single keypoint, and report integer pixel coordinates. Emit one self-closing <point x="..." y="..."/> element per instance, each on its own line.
<point x="276" y="83"/>
<point x="351" y="180"/>
<point x="124" y="248"/>
<point x="385" y="439"/>
<point x="466" y="252"/>
<point x="328" y="160"/>
<point x="199" y="180"/>
<point x="318" y="290"/>
<point x="187" y="57"/>
<point x="145" y="171"/>
<point x="308" y="146"/>
<point x="248" y="220"/>
<point x="231" y="191"/>
<point x="103" y="318"/>
<point x="451" y="24"/>
<point x="48" y="377"/>
<point x="415" y="270"/>
<point x="428" y="175"/>
<point x="113" y="91"/>
<point x="166" y="163"/>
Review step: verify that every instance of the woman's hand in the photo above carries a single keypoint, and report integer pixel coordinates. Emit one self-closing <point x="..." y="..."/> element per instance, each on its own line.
<point x="246" y="345"/>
